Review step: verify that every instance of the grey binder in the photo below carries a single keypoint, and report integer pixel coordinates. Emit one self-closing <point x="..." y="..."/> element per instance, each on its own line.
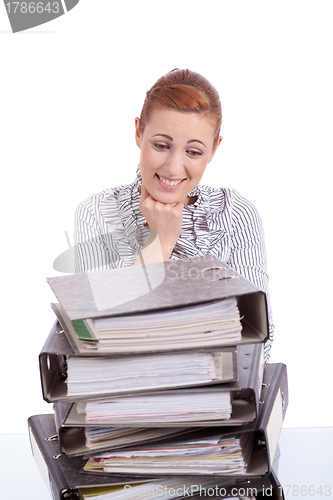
<point x="53" y="370"/>
<point x="245" y="405"/>
<point x="65" y="479"/>
<point x="156" y="287"/>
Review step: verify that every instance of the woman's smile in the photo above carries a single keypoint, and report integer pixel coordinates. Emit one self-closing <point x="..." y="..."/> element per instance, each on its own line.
<point x="168" y="183"/>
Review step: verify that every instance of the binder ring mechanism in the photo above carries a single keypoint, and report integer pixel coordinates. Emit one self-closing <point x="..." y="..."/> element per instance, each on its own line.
<point x="262" y="442"/>
<point x="70" y="494"/>
<point x="216" y="268"/>
<point x="266" y="386"/>
<point x="52" y="438"/>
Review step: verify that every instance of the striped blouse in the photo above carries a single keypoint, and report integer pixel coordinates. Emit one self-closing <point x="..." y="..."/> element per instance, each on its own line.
<point x="110" y="232"/>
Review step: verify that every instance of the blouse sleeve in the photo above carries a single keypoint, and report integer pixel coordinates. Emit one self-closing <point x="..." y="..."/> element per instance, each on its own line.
<point x="248" y="252"/>
<point x="100" y="243"/>
<point x="91" y="253"/>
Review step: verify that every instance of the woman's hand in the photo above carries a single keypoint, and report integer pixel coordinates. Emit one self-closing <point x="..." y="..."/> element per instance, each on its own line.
<point x="165" y="222"/>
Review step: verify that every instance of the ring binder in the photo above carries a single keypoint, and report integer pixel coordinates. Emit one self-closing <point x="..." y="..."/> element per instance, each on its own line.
<point x="65" y="475"/>
<point x="76" y="294"/>
<point x="259" y="392"/>
<point x="56" y="350"/>
<point x="245" y="403"/>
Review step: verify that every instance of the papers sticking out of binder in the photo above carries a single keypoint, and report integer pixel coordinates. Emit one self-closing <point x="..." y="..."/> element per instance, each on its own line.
<point x="106" y="438"/>
<point x="254" y="444"/>
<point x="215" y="319"/>
<point x="89" y="376"/>
<point x="245" y="393"/>
<point x="204" y="455"/>
<point x="100" y="376"/>
<point x="213" y="305"/>
<point x="178" y="406"/>
<point x="199" y="326"/>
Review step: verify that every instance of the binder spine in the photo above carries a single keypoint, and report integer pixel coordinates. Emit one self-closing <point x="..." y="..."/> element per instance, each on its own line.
<point x="275" y="396"/>
<point x="252" y="361"/>
<point x="256" y="376"/>
<point x="52" y="369"/>
<point x="53" y="365"/>
<point x="41" y="449"/>
<point x="275" y="379"/>
<point x="62" y="328"/>
<point x="60" y="414"/>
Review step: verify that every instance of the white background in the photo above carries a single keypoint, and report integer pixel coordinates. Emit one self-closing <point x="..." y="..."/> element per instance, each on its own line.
<point x="70" y="91"/>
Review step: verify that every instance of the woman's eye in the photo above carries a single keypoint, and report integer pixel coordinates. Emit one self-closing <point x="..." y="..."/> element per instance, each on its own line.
<point x="161" y="147"/>
<point x="191" y="152"/>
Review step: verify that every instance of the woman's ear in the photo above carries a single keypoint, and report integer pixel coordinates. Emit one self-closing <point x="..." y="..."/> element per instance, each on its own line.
<point x="215" y="148"/>
<point x="137" y="132"/>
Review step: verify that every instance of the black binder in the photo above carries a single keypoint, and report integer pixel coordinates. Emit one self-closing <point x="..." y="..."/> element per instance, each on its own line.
<point x="64" y="476"/>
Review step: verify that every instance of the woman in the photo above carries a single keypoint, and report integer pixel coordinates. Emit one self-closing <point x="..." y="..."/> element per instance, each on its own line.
<point x="165" y="213"/>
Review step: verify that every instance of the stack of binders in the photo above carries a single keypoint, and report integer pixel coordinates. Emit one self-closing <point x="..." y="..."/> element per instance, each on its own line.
<point x="159" y="386"/>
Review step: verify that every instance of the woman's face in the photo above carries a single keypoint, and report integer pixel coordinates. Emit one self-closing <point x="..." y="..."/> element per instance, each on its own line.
<point x="175" y="149"/>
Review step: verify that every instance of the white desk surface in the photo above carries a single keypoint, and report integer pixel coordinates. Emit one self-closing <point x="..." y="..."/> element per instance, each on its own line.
<point x="305" y="466"/>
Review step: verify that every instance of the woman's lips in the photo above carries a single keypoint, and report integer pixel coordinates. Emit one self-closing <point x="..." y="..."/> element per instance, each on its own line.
<point x="168" y="183"/>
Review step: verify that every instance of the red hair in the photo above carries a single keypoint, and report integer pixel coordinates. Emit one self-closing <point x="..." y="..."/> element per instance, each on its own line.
<point x="186" y="91"/>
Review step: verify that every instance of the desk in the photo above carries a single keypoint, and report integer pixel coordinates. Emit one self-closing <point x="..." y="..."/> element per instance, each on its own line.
<point x="306" y="461"/>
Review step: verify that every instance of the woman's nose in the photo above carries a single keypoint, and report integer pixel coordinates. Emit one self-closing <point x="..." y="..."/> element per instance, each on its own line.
<point x="176" y="164"/>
